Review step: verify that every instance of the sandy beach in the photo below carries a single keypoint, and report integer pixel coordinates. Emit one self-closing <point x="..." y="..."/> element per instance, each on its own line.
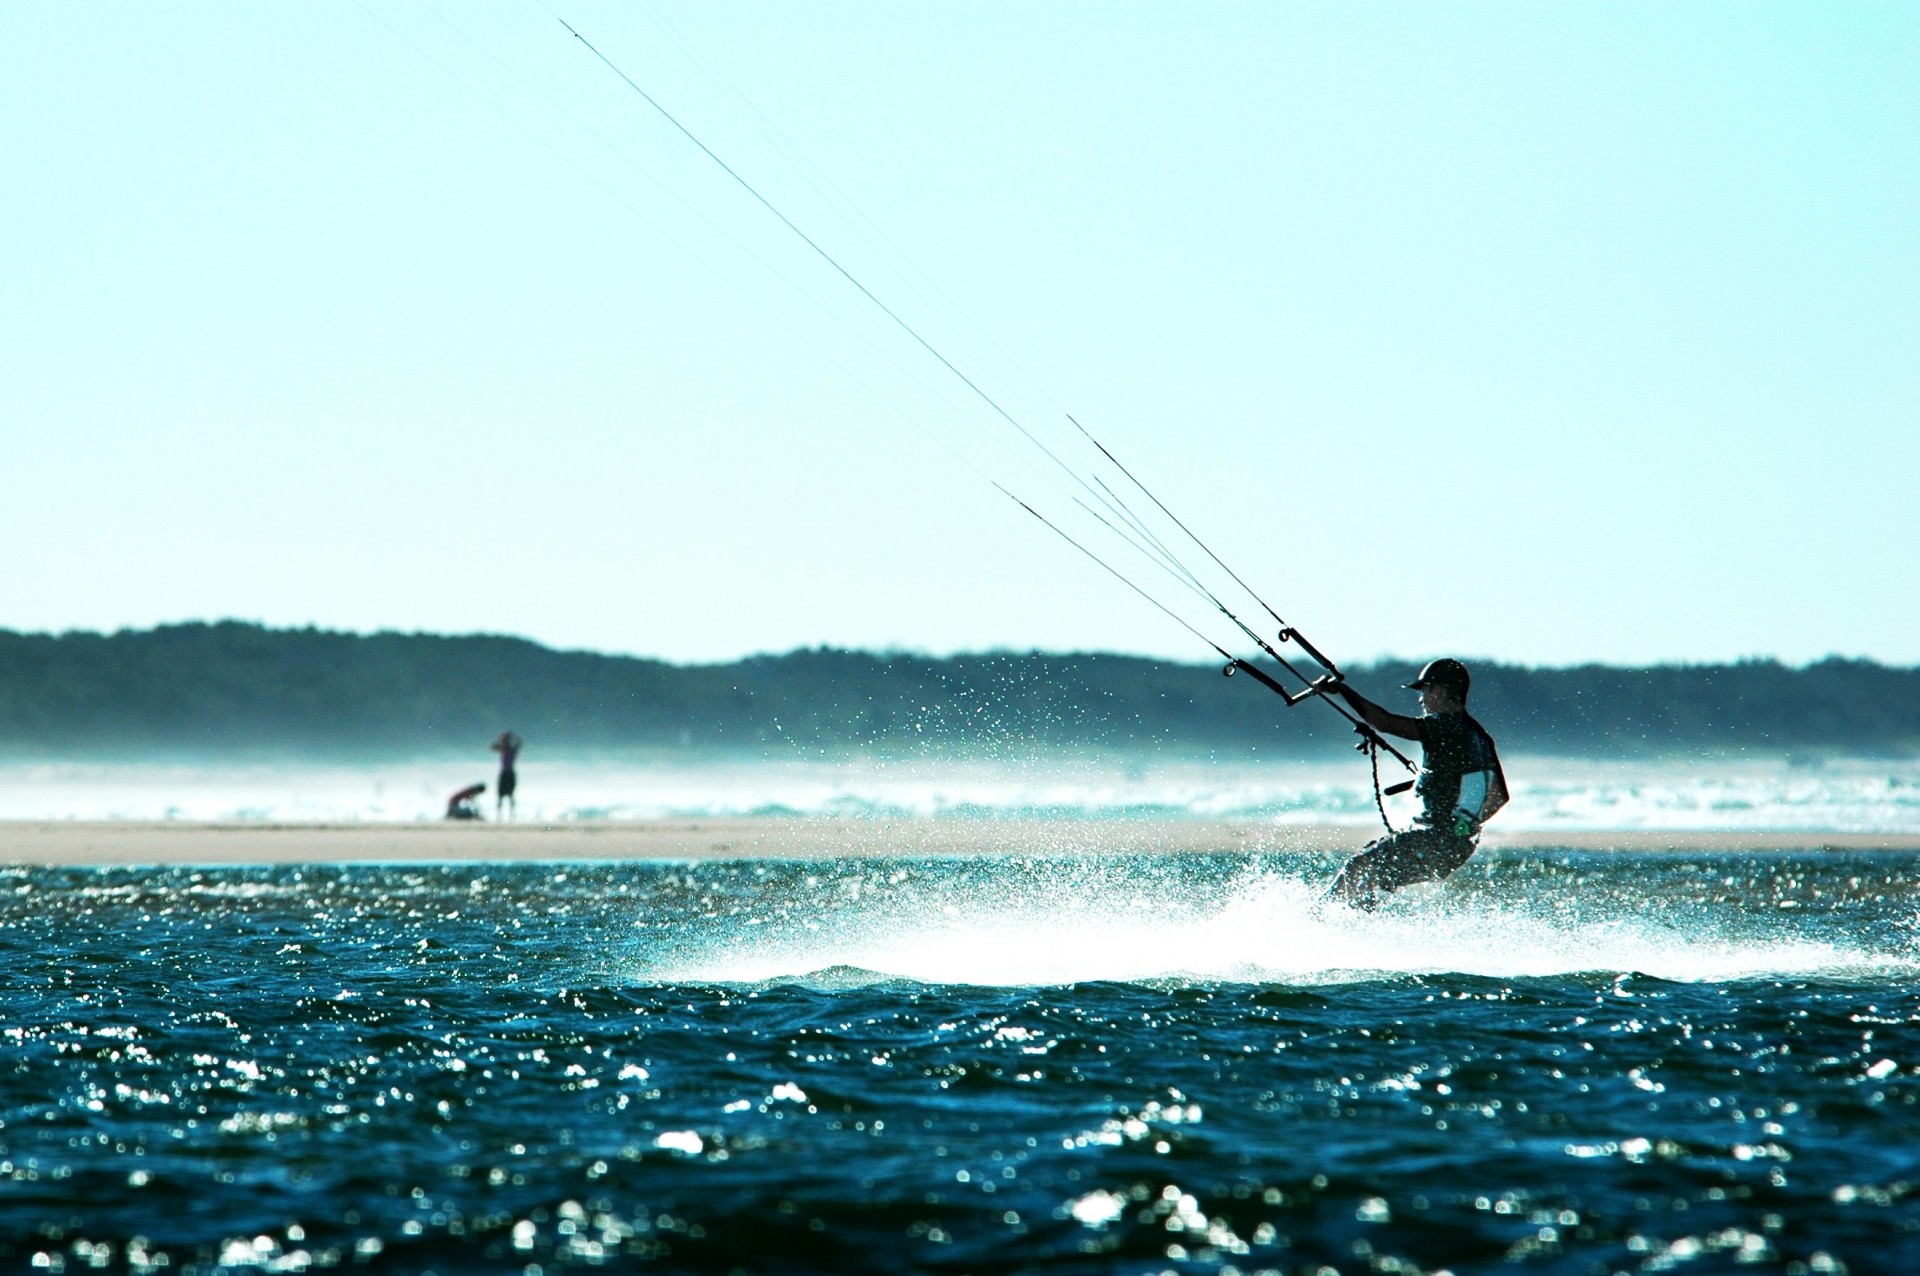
<point x="238" y="842"/>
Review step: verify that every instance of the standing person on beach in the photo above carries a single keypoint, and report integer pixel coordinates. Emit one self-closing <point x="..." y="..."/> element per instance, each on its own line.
<point x="1461" y="786"/>
<point x="508" y="747"/>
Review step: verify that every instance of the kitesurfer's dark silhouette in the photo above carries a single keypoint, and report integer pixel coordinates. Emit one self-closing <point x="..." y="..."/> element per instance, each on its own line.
<point x="1461" y="786"/>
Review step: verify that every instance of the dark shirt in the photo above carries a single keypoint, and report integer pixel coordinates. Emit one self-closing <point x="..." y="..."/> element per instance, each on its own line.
<point x="1453" y="746"/>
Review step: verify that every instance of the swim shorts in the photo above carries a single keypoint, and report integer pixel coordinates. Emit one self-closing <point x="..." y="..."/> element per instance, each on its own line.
<point x="1400" y="859"/>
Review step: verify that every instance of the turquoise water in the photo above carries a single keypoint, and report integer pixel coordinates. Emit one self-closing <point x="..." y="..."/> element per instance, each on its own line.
<point x="1559" y="1063"/>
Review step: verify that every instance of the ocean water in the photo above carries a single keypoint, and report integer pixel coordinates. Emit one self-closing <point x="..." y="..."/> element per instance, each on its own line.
<point x="1549" y="793"/>
<point x="1558" y="1062"/>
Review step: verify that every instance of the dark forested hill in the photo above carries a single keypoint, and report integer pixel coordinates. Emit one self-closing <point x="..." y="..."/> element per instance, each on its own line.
<point x="184" y="691"/>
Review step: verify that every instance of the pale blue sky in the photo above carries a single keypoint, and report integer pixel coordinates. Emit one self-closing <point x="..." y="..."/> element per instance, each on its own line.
<point x="1550" y="333"/>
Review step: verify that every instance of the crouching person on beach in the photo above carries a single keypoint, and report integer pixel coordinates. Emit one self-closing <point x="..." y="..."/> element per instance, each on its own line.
<point x="1461" y="786"/>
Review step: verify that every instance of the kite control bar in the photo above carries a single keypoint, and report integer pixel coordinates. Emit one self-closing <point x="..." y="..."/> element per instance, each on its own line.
<point x="1292" y="635"/>
<point x="1318" y="687"/>
<point x="1370" y="739"/>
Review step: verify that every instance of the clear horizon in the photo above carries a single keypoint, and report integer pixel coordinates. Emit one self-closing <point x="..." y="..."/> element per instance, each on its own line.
<point x="1552" y="336"/>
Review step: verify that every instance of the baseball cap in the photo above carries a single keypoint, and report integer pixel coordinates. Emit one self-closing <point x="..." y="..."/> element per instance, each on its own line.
<point x="1444" y="672"/>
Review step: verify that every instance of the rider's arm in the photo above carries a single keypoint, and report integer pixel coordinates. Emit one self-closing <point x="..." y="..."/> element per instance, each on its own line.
<point x="1376" y="717"/>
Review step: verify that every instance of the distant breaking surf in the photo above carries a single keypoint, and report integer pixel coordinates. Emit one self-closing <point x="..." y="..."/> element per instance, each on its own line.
<point x="1551" y="795"/>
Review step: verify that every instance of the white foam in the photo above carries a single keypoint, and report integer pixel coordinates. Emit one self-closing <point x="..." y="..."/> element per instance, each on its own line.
<point x="1274" y="929"/>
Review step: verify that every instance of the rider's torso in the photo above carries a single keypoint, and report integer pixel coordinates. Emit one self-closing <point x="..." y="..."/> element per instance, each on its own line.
<point x="1458" y="766"/>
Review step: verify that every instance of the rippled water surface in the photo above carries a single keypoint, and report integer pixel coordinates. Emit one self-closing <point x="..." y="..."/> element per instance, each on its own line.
<point x="1559" y="1063"/>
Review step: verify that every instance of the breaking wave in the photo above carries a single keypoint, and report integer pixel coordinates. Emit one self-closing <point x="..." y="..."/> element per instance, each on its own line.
<point x="1854" y="796"/>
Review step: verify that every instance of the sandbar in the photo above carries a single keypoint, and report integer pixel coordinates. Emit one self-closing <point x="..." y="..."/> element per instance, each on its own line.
<point x="100" y="843"/>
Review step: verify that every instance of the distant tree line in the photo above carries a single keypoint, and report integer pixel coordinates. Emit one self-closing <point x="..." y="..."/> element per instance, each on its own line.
<point x="239" y="690"/>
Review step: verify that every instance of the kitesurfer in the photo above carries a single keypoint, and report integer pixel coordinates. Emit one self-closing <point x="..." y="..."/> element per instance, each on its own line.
<point x="1461" y="786"/>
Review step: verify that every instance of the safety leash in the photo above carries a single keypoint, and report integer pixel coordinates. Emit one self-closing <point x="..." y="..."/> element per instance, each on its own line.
<point x="1372" y="747"/>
